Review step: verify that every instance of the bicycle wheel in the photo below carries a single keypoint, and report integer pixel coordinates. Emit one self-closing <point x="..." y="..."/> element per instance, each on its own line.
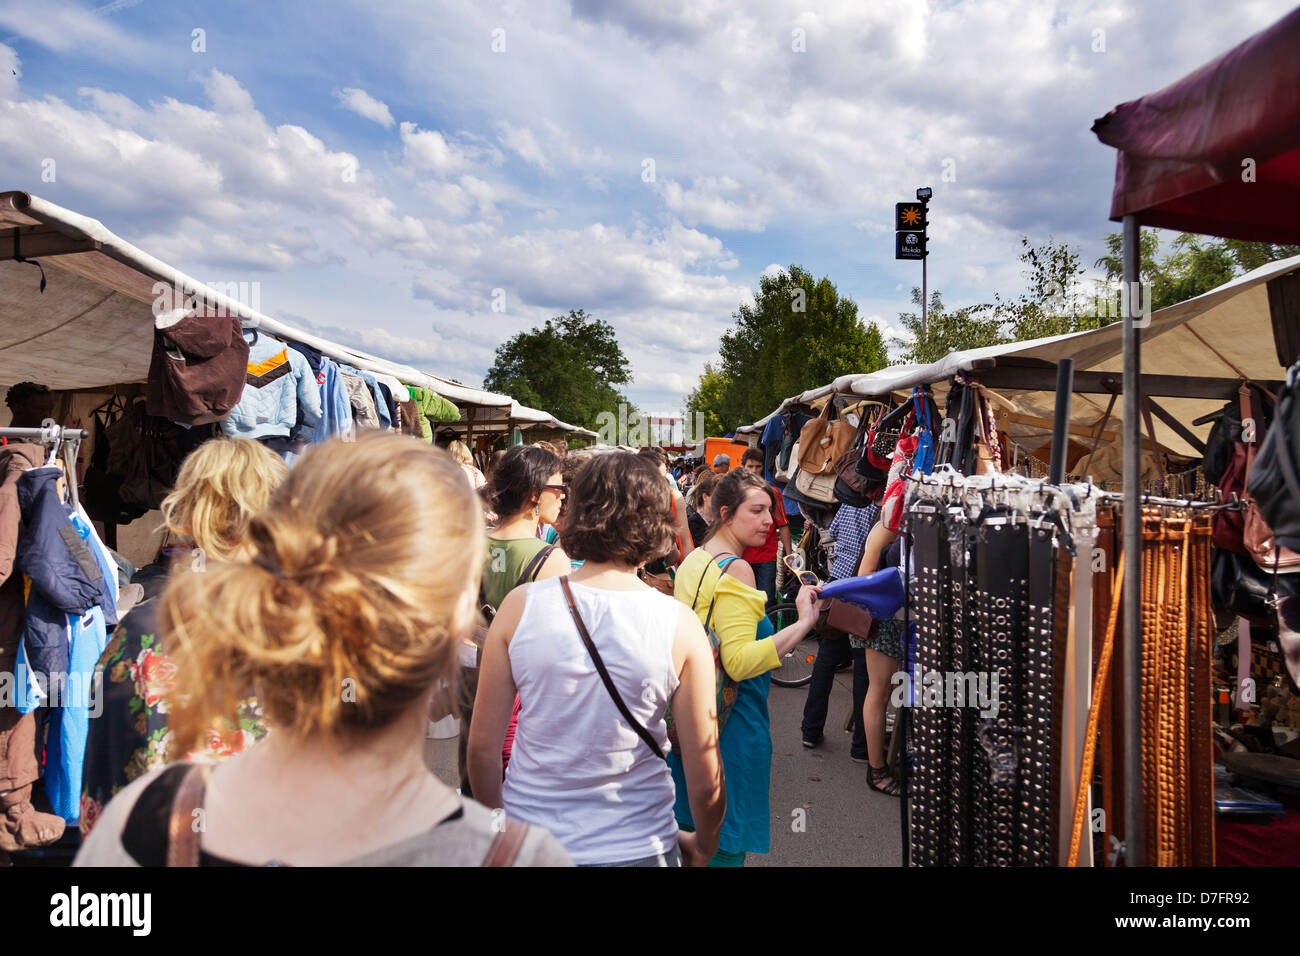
<point x="796" y="666"/>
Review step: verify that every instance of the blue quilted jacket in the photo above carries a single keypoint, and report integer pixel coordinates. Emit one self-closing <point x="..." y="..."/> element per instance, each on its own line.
<point x="279" y="381"/>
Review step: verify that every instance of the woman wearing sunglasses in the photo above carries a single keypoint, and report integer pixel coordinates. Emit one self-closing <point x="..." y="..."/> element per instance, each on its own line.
<point x="525" y="491"/>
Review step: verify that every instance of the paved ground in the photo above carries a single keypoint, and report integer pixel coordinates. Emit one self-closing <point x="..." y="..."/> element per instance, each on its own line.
<point x="840" y="822"/>
<point x="844" y="823"/>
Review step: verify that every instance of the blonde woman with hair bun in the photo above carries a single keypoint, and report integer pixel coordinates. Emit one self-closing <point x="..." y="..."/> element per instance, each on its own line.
<point x="221" y="485"/>
<point x="346" y="620"/>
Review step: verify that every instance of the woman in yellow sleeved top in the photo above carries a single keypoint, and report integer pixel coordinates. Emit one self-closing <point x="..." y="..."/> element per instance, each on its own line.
<point x="714" y="575"/>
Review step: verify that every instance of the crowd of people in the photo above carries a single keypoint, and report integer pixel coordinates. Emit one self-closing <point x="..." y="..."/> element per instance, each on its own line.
<point x="603" y="638"/>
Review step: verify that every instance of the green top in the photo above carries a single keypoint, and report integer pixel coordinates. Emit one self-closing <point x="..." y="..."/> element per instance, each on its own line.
<point x="506" y="561"/>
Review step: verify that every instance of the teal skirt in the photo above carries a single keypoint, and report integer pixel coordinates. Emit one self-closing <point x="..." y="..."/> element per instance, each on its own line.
<point x="746" y="747"/>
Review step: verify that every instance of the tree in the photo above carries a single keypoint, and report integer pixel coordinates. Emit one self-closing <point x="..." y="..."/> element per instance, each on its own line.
<point x="568" y="367"/>
<point x="1195" y="266"/>
<point x="970" y="327"/>
<point x="708" y="399"/>
<point x="798" y="334"/>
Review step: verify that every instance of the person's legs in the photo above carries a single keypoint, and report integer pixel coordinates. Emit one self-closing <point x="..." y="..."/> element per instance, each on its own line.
<point x="830" y="655"/>
<point x="879" y="671"/>
<point x="858" y="750"/>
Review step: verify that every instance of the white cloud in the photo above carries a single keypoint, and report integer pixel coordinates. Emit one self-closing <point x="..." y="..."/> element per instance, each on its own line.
<point x="66" y="28"/>
<point x="429" y="151"/>
<point x="363" y="104"/>
<point x="522" y="141"/>
<point x="707" y="203"/>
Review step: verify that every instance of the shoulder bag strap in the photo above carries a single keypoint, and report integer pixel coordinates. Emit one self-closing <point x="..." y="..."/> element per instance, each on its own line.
<point x="506" y="844"/>
<point x="182" y="835"/>
<point x="604" y="674"/>
<point x="535" y="566"/>
<point x="722" y="569"/>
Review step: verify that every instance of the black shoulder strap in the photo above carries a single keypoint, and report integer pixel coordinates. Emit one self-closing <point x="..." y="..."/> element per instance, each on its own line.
<point x="604" y="674"/>
<point x="535" y="566"/>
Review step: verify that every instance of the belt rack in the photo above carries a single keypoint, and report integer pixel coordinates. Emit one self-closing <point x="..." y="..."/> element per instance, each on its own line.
<point x="990" y="597"/>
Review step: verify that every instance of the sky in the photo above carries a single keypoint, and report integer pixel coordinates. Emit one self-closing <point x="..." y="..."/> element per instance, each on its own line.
<point x="424" y="180"/>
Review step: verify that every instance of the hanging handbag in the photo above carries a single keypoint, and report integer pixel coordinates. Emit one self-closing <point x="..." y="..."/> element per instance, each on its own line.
<point x="725" y="687"/>
<point x="822" y="441"/>
<point x="848" y="488"/>
<point x="1274" y="479"/>
<point x="820" y="488"/>
<point x="786" y="472"/>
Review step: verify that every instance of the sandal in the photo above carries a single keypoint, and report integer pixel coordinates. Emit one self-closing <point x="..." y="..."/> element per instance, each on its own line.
<point x="875" y="776"/>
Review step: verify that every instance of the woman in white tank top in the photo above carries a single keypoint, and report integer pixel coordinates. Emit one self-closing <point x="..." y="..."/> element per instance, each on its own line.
<point x="579" y="767"/>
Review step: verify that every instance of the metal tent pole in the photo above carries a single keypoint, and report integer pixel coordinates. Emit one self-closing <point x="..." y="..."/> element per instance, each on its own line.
<point x="1134" y="837"/>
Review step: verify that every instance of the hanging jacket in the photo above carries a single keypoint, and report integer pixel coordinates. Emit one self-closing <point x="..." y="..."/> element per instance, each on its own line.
<point x="434" y="406"/>
<point x="278" y="381"/>
<point x="65" y="572"/>
<point x="14" y="459"/>
<point x="413" y="423"/>
<point x="362" y="400"/>
<point x="196" y="373"/>
<point x="336" y="408"/>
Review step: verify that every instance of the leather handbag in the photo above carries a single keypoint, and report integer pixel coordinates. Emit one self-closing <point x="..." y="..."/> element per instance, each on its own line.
<point x="784" y="474"/>
<point x="848" y="487"/>
<point x="1242" y="587"/>
<point x="663" y="583"/>
<point x="817" y="487"/>
<point x="822" y="441"/>
<point x="1274" y="482"/>
<point x="838" y="619"/>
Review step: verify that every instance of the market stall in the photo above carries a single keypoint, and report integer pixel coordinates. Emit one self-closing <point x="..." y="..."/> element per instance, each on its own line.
<point x="1217" y="152"/>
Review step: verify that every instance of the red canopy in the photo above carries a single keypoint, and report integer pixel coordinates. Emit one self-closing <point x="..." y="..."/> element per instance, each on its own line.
<point x="1182" y="150"/>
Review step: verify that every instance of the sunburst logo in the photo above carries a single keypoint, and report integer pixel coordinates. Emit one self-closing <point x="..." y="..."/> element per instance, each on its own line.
<point x="912" y="216"/>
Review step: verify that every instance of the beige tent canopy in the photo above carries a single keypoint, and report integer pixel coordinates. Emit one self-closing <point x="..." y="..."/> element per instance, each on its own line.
<point x="93" y="324"/>
<point x="1194" y="356"/>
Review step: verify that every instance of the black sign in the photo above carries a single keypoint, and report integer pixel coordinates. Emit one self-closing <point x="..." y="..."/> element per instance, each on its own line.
<point x="909" y="215"/>
<point x="909" y="244"/>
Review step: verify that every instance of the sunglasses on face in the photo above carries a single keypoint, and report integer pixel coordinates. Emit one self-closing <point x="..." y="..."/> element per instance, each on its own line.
<point x="558" y="489"/>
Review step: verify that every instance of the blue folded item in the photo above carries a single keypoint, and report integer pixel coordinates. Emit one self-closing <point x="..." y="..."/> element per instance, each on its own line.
<point x="880" y="594"/>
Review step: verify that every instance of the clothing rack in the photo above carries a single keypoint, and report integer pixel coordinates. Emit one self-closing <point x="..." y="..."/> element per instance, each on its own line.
<point x="67" y="440"/>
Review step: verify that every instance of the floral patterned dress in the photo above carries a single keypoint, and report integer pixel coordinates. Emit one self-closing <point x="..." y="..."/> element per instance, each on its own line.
<point x="129" y="735"/>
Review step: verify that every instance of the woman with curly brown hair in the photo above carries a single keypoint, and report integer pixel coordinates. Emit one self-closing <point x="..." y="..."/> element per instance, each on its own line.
<point x="595" y="658"/>
<point x="346" y="621"/>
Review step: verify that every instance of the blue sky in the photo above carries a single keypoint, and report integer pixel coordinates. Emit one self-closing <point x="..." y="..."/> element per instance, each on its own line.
<point x="385" y="174"/>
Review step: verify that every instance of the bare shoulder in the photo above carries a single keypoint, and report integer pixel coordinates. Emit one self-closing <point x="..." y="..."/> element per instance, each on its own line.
<point x="741" y="571"/>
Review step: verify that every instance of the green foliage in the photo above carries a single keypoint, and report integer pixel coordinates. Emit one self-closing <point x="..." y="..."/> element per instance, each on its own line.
<point x="798" y="334"/>
<point x="1193" y="267"/>
<point x="970" y="327"/>
<point x="708" y="398"/>
<point x="568" y="367"/>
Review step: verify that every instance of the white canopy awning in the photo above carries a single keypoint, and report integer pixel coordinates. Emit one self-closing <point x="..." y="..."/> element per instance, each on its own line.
<point x="1193" y="354"/>
<point x="94" y="323"/>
